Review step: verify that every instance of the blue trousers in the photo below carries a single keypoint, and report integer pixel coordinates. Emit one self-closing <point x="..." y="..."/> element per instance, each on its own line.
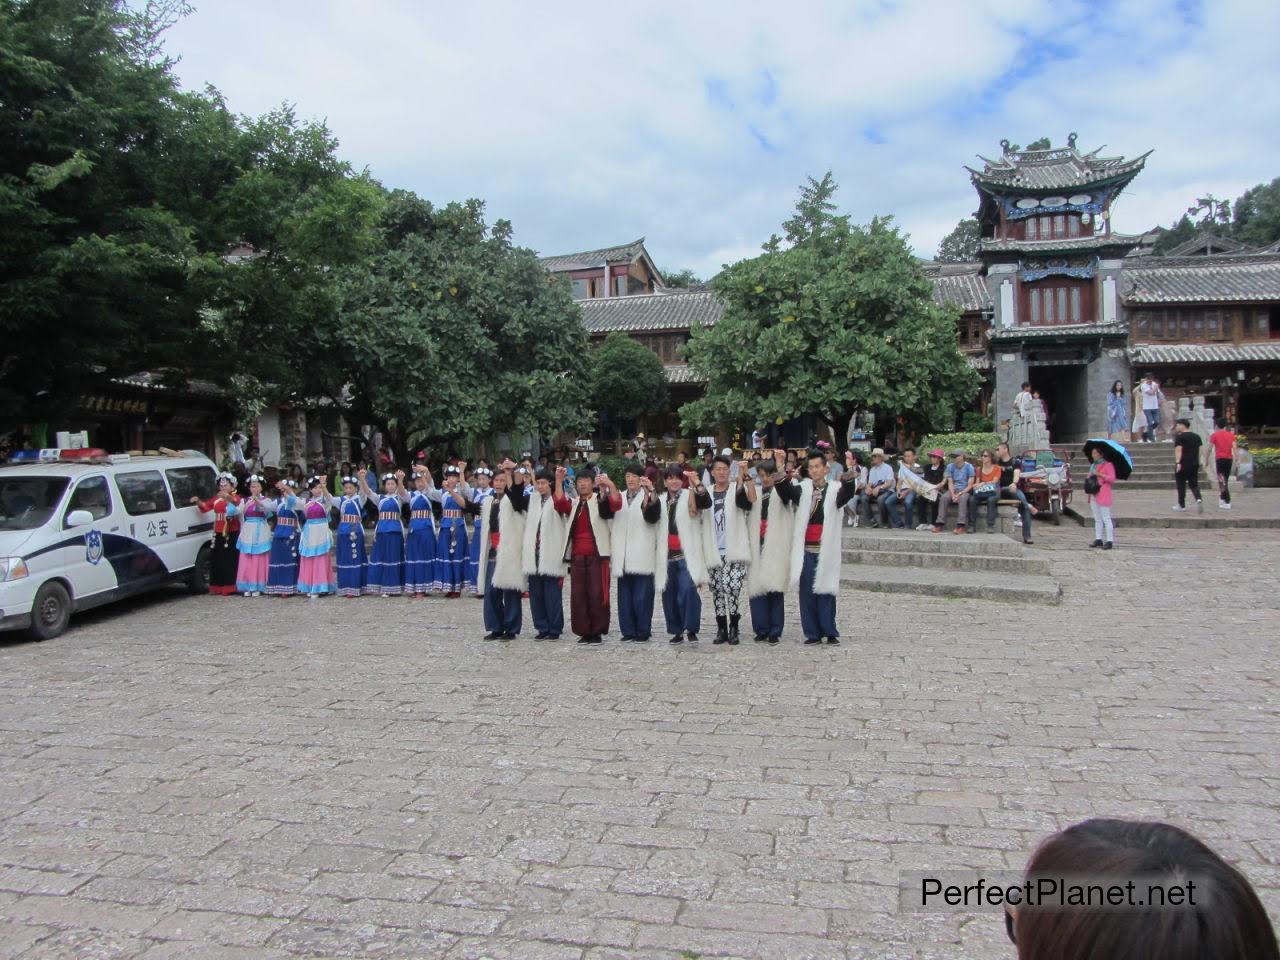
<point x="902" y="509"/>
<point x="546" y="603"/>
<point x="635" y="604"/>
<point x="501" y="609"/>
<point x="817" y="610"/>
<point x="681" y="602"/>
<point x="767" y="615"/>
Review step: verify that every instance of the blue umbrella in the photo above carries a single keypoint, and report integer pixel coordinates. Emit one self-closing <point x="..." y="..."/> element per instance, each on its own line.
<point x="1112" y="452"/>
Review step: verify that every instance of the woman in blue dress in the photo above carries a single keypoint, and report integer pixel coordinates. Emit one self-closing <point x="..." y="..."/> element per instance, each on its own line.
<point x="386" y="563"/>
<point x="451" y="543"/>
<point x="481" y="492"/>
<point x="1117" y="413"/>
<point x="352" y="558"/>
<point x="282" y="564"/>
<point x="420" y="543"/>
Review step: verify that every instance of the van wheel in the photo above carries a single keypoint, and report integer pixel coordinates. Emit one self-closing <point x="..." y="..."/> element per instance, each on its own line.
<point x="51" y="611"/>
<point x="198" y="579"/>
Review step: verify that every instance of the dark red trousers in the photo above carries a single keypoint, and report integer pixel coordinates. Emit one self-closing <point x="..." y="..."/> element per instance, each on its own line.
<point x="589" y="595"/>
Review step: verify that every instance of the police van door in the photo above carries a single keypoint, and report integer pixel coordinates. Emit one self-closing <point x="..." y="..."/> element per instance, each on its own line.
<point x="149" y="525"/>
<point x="90" y="563"/>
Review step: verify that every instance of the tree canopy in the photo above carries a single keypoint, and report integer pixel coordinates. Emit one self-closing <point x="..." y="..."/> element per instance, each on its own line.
<point x="961" y="244"/>
<point x="627" y="378"/>
<point x="839" y="321"/>
<point x="681" y="278"/>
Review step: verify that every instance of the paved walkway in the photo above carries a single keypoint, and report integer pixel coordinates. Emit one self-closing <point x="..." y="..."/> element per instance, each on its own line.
<point x="225" y="778"/>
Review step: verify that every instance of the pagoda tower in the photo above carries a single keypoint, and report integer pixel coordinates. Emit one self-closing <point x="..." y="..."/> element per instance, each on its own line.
<point x="1052" y="264"/>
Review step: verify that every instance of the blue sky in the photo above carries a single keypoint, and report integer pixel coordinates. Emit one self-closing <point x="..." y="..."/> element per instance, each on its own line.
<point x="692" y="124"/>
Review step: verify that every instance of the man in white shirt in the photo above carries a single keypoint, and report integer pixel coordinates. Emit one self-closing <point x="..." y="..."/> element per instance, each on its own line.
<point x="879" y="486"/>
<point x="1150" y="407"/>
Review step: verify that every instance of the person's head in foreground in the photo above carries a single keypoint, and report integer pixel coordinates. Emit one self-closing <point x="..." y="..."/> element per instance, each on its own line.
<point x="1219" y="918"/>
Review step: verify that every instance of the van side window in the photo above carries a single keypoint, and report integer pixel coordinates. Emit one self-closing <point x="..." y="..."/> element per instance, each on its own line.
<point x="188" y="482"/>
<point x="91" y="494"/>
<point x="143" y="492"/>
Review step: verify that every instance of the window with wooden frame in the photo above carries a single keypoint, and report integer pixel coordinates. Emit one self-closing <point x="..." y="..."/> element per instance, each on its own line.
<point x="1050" y="303"/>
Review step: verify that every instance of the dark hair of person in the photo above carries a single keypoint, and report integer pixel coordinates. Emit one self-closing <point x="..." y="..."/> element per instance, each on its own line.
<point x="586" y="473"/>
<point x="1226" y="920"/>
<point x="1026" y="385"/>
<point x="988" y="452"/>
<point x="634" y="468"/>
<point x="815" y="454"/>
<point x="908" y="449"/>
<point x="1221" y="423"/>
<point x="723" y="459"/>
<point x="1185" y="422"/>
<point x="767" y="466"/>
<point x="1118" y="388"/>
<point x="674" y="472"/>
<point x="544" y="474"/>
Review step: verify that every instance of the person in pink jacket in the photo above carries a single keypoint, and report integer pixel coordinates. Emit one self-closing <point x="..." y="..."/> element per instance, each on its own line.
<point x="1104" y="533"/>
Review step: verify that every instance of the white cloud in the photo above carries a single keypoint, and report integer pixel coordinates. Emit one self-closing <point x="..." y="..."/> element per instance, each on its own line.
<point x="693" y="124"/>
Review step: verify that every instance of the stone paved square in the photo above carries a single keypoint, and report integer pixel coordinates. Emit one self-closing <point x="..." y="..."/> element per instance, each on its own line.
<point x="230" y="778"/>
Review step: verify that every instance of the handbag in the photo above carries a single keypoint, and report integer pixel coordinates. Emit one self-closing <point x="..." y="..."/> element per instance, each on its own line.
<point x="985" y="488"/>
<point x="1091" y="484"/>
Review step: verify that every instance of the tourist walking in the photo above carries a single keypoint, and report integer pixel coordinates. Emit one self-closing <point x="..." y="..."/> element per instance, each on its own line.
<point x="1186" y="464"/>
<point x="1151" y="397"/>
<point x="1221" y="457"/>
<point x="1117" y="413"/>
<point x="254" y="542"/>
<point x="224" y="557"/>
<point x="1098" y="486"/>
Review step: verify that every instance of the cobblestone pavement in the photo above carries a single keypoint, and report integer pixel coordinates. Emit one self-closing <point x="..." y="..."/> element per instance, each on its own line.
<point x="226" y="778"/>
<point x="1247" y="503"/>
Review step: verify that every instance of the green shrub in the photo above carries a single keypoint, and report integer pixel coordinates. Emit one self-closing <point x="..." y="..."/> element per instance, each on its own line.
<point x="971" y="443"/>
<point x="614" y="467"/>
<point x="1266" y="457"/>
<point x="971" y="421"/>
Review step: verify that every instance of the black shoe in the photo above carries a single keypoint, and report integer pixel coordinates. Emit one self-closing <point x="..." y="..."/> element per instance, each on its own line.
<point x="586" y="639"/>
<point x="597" y="638"/>
<point x="540" y="635"/>
<point x="808" y="642"/>
<point x="625" y="638"/>
<point x="773" y="641"/>
<point x="1108" y="545"/>
<point x="552" y="636"/>
<point x="693" y="638"/>
<point x="760" y="638"/>
<point x="492" y="636"/>
<point x="734" y="620"/>
<point x="1096" y="543"/>
<point x="722" y="630"/>
<point x="833" y="641"/>
<point x="677" y="638"/>
<point x="509" y="636"/>
<point x="644" y="639"/>
<point x="1027" y="540"/>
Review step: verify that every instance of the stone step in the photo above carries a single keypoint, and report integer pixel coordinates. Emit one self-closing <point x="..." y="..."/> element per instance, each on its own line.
<point x="914" y="541"/>
<point x="957" y="584"/>
<point x="1211" y="519"/>
<point x="1037" y="566"/>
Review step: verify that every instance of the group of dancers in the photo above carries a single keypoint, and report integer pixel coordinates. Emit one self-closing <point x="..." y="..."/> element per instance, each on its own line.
<point x="515" y="533"/>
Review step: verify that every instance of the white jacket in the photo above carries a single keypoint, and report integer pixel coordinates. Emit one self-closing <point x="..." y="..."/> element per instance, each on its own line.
<point x="507" y="573"/>
<point x="599" y="526"/>
<point x="770" y="570"/>
<point x="635" y="542"/>
<point x="699" y="557"/>
<point x="826" y="578"/>
<point x="542" y="520"/>
<point x="737" y="547"/>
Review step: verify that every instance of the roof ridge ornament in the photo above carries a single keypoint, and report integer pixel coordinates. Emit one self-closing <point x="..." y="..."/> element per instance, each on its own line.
<point x="1004" y="147"/>
<point x="1071" y="140"/>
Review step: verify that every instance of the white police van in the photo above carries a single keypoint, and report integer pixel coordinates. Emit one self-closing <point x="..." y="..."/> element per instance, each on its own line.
<point x="84" y="530"/>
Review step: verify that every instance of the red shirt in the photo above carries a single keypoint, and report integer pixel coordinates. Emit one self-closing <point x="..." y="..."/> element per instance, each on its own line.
<point x="218" y="507"/>
<point x="581" y="534"/>
<point x="1222" y="441"/>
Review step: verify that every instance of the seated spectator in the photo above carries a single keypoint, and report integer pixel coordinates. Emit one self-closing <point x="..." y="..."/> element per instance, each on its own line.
<point x="986" y="488"/>
<point x="935" y="474"/>
<point x="1220" y="918"/>
<point x="853" y="509"/>
<point x="1010" y="475"/>
<point x="960" y="477"/>
<point x="880" y="484"/>
<point x="900" y="504"/>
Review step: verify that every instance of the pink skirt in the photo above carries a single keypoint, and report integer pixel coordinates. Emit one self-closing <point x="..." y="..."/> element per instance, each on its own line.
<point x="315" y="574"/>
<point x="251" y="574"/>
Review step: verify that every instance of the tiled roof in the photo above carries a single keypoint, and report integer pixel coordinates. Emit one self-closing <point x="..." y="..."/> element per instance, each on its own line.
<point x="1049" y="331"/>
<point x="561" y="262"/>
<point x="1057" y="168"/>
<point x="1203" y="352"/>
<point x="1207" y="245"/>
<point x="960" y="284"/>
<point x="1230" y="278"/>
<point x="1063" y="243"/>
<point x="652" y="311"/>
<point x="681" y="373"/>
<point x="156" y="381"/>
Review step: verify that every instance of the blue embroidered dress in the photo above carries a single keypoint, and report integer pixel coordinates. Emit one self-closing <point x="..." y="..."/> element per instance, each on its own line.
<point x="451" y="546"/>
<point x="478" y="497"/>
<point x="420" y="545"/>
<point x="282" y="566"/>
<point x="386" y="563"/>
<point x="351" y="556"/>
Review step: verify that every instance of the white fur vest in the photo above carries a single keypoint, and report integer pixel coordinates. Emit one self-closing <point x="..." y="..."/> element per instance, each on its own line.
<point x="736" y="542"/>
<point x="635" y="542"/>
<point x="826" y="579"/>
<point x="599" y="527"/>
<point x="506" y="572"/>
<point x="771" y="561"/>
<point x="545" y="522"/>
<point x="698" y="557"/>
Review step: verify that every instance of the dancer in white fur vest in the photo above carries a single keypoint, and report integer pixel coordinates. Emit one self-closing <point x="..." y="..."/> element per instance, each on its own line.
<point x="770" y="521"/>
<point x="683" y="553"/>
<point x="815" y="547"/>
<point x="501" y="574"/>
<point x="725" y="525"/>
<point x="635" y="555"/>
<point x="588" y="550"/>
<point x="546" y="530"/>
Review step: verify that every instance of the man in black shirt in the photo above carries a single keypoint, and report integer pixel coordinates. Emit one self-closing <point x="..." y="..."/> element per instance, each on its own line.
<point x="1010" y="473"/>
<point x="1186" y="464"/>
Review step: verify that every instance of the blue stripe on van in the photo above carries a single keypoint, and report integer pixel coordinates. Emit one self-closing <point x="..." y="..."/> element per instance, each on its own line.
<point x="132" y="560"/>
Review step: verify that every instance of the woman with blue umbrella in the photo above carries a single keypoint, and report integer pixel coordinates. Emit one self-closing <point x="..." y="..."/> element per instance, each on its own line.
<point x="1109" y="462"/>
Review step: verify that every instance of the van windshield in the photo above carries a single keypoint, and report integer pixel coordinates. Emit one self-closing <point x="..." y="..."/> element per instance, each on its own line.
<point x="28" y="502"/>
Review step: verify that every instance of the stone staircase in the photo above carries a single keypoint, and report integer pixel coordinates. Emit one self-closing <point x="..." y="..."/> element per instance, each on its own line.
<point x="973" y="566"/>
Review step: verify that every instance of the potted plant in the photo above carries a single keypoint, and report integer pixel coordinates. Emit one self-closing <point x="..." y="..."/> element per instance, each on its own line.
<point x="1266" y="467"/>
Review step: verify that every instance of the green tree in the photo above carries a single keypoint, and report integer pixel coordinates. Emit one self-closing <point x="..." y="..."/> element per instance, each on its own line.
<point x="448" y="331"/>
<point x="841" y="321"/>
<point x="1257" y="215"/>
<point x="1181" y="231"/>
<point x="627" y="379"/>
<point x="961" y="244"/>
<point x="681" y="278"/>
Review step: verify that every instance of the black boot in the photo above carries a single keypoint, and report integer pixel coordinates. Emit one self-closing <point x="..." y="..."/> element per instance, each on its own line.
<point x="677" y="638"/>
<point x="693" y="637"/>
<point x="722" y="630"/>
<point x="1096" y="543"/>
<point x="733" y="628"/>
